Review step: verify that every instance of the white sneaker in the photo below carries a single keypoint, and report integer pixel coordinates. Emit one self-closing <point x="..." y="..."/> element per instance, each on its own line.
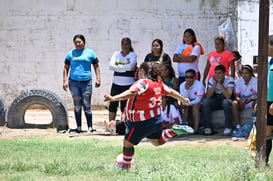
<point x="238" y="126"/>
<point x="182" y="129"/>
<point x="207" y="131"/>
<point x="227" y="131"/>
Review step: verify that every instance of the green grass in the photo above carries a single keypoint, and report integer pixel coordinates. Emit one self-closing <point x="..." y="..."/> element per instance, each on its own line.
<point x="93" y="159"/>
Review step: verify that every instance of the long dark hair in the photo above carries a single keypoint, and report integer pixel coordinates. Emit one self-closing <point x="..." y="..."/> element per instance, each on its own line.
<point x="80" y="36"/>
<point x="249" y="69"/>
<point x="153" y="70"/>
<point x="190" y="31"/>
<point x="169" y="66"/>
<point x="160" y="43"/>
<point x="146" y="67"/>
<point x="128" y="40"/>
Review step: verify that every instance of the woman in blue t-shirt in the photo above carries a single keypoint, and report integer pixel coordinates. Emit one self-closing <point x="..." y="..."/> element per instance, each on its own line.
<point x="79" y="61"/>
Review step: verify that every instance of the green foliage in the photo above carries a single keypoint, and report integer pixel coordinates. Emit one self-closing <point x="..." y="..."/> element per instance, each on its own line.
<point x="93" y="159"/>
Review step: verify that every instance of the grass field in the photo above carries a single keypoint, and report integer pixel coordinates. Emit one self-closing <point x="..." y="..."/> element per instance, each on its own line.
<point x="37" y="158"/>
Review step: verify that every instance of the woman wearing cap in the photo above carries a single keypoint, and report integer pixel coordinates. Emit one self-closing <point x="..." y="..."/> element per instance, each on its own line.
<point x="245" y="93"/>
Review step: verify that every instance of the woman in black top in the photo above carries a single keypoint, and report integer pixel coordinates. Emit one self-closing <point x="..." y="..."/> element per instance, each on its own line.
<point x="157" y="54"/>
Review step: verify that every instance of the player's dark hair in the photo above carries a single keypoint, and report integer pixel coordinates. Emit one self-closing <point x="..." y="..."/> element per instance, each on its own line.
<point x="80" y="36"/>
<point x="236" y="54"/>
<point x="146" y="67"/>
<point x="128" y="40"/>
<point x="191" y="71"/>
<point x="170" y="101"/>
<point x="221" y="68"/>
<point x="190" y="31"/>
<point x="160" y="43"/>
<point x="155" y="71"/>
<point x="169" y="66"/>
<point x="152" y="70"/>
<point x="249" y="69"/>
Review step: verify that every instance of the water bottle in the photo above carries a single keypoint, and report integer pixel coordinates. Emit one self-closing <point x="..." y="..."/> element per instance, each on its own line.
<point x="253" y="116"/>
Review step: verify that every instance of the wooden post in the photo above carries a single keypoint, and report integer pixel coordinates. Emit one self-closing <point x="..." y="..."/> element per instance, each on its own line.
<point x="262" y="83"/>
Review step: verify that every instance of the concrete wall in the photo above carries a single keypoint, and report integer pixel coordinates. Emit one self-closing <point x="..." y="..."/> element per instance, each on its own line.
<point x="248" y="26"/>
<point x="37" y="34"/>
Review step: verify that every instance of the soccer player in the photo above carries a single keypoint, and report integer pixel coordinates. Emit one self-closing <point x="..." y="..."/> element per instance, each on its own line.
<point x="143" y="111"/>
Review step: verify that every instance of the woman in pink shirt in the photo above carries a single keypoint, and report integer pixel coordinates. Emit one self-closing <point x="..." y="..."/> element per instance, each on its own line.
<point x="217" y="57"/>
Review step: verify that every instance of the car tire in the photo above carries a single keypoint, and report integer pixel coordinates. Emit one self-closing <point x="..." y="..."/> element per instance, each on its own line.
<point x="16" y="112"/>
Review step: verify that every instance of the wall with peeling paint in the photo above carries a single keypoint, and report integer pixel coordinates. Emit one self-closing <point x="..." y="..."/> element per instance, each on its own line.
<point x="37" y="34"/>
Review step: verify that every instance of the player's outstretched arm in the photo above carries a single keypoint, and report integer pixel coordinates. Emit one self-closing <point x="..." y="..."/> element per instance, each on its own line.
<point x="120" y="97"/>
<point x="176" y="95"/>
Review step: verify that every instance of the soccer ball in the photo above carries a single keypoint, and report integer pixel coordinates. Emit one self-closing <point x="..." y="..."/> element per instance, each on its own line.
<point x="119" y="161"/>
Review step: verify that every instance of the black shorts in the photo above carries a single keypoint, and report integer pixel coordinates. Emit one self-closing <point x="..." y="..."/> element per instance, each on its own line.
<point x="151" y="128"/>
<point x="269" y="116"/>
<point x="115" y="90"/>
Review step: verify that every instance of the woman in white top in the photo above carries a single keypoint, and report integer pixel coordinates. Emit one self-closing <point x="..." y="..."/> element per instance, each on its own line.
<point x="170" y="113"/>
<point x="123" y="63"/>
<point x="187" y="55"/>
<point x="245" y="93"/>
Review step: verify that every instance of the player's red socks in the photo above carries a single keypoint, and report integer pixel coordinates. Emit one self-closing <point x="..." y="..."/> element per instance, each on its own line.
<point x="128" y="154"/>
<point x="166" y="135"/>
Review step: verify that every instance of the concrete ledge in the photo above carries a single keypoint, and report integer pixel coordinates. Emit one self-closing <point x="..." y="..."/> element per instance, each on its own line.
<point x="218" y="118"/>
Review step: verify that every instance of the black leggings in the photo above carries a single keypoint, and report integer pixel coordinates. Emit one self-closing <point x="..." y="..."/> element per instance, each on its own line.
<point x="115" y="90"/>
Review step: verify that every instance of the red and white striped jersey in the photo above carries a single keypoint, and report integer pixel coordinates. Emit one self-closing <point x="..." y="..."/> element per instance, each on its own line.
<point x="146" y="104"/>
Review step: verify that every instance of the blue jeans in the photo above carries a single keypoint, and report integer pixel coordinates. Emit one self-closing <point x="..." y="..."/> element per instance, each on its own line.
<point x="81" y="92"/>
<point x="216" y="103"/>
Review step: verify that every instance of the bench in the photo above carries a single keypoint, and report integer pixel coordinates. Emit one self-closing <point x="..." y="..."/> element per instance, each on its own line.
<point x="218" y="118"/>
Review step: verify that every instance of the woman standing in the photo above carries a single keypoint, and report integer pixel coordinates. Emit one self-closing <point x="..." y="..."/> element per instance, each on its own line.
<point x="79" y="61"/>
<point x="123" y="63"/>
<point x="217" y="57"/>
<point x="187" y="55"/>
<point x="157" y="54"/>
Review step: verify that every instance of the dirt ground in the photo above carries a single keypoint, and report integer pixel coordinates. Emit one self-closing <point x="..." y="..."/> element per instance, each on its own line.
<point x="44" y="116"/>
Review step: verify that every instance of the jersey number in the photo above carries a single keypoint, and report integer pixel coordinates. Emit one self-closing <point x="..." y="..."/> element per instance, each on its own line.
<point x="155" y="102"/>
